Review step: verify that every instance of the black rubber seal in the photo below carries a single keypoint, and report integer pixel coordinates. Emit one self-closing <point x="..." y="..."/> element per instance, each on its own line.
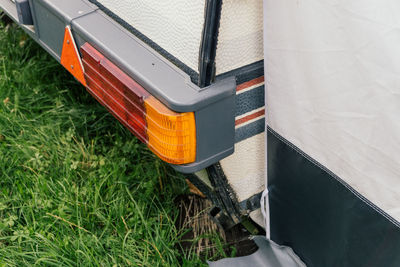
<point x="208" y="47"/>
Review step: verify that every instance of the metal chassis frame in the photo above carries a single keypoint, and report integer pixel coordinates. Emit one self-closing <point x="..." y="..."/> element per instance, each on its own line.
<point x="213" y="105"/>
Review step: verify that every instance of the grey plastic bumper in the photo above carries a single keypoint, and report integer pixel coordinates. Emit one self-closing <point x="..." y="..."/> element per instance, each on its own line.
<point x="213" y="105"/>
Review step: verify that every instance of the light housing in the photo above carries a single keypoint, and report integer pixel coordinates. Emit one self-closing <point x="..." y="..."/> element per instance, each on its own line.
<point x="170" y="135"/>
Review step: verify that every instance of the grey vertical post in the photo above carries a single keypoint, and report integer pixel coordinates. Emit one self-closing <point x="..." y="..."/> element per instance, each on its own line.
<point x="24" y="12"/>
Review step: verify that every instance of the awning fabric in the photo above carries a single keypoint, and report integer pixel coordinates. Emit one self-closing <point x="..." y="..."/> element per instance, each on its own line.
<point x="332" y="74"/>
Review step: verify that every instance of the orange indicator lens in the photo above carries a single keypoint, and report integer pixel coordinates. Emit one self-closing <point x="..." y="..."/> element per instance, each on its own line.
<point x="171" y="135"/>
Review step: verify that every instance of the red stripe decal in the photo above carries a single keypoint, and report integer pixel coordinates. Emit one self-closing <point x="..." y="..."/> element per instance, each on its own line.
<point x="250" y="117"/>
<point x="249" y="83"/>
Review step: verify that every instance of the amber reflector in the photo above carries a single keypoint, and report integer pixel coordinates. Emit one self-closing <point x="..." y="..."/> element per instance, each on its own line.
<point x="170" y="135"/>
<point x="70" y="58"/>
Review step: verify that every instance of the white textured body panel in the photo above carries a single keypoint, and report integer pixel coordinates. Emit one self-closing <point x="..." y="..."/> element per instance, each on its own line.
<point x="333" y="88"/>
<point x="174" y="25"/>
<point x="245" y="169"/>
<point x="240" y="39"/>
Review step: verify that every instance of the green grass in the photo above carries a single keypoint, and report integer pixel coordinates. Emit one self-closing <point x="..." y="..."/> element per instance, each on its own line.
<point x="76" y="188"/>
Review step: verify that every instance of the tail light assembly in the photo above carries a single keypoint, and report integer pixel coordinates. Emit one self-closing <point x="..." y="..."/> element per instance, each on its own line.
<point x="170" y="135"/>
<point x="184" y="125"/>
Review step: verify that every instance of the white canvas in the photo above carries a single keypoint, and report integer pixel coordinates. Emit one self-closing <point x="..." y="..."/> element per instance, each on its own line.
<point x="333" y="79"/>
